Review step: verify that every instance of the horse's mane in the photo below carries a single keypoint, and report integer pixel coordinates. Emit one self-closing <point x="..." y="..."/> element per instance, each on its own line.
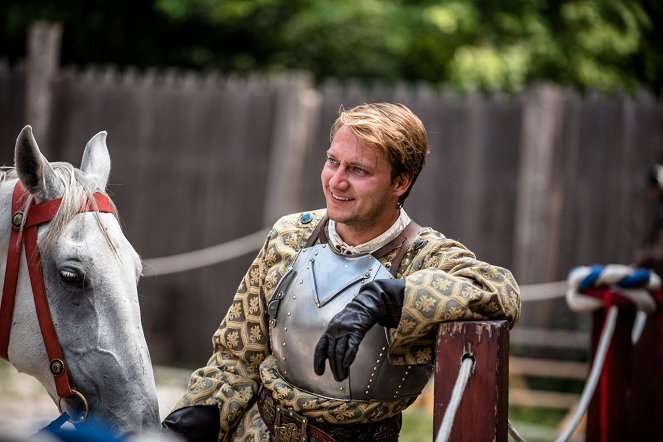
<point x="78" y="190"/>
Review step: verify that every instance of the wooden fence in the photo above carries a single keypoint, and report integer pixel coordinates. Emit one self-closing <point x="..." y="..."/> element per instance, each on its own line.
<point x="537" y="182"/>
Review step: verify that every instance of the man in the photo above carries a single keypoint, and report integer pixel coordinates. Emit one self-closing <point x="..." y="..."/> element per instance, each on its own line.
<point x="357" y="287"/>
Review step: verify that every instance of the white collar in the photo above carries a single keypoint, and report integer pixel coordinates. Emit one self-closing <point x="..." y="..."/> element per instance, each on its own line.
<point x="372" y="245"/>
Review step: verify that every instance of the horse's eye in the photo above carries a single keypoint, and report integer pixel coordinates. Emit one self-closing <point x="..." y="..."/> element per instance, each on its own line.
<point x="72" y="277"/>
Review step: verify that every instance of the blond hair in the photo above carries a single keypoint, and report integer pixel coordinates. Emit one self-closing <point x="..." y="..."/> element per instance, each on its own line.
<point x="392" y="128"/>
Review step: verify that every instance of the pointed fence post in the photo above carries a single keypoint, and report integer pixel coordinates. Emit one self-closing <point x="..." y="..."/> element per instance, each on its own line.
<point x="483" y="410"/>
<point x="42" y="70"/>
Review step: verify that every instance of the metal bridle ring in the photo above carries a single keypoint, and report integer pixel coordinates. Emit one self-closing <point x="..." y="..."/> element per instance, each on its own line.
<point x="85" y="405"/>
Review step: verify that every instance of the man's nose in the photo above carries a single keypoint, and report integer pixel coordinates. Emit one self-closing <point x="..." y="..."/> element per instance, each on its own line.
<point x="338" y="179"/>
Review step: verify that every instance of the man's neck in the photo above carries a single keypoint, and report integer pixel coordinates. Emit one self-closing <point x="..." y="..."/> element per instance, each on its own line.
<point x="366" y="242"/>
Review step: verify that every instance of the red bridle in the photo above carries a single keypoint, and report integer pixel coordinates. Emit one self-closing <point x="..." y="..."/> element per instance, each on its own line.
<point x="37" y="214"/>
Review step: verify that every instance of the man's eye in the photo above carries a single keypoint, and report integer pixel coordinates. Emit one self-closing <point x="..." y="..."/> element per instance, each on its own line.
<point x="332" y="161"/>
<point x="358" y="170"/>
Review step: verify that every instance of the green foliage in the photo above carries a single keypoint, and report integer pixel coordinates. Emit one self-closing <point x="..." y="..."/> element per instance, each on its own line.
<point x="604" y="45"/>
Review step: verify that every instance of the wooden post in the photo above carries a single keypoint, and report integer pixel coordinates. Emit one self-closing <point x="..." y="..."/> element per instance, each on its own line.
<point x="628" y="400"/>
<point x="42" y="69"/>
<point x="539" y="195"/>
<point x="295" y="119"/>
<point x="483" y="411"/>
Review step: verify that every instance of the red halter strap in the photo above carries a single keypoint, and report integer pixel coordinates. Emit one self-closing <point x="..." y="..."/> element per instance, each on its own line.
<point x="37" y="214"/>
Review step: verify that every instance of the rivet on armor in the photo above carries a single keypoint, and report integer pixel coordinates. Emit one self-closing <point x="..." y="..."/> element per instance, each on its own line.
<point x="375" y="368"/>
<point x="323" y="246"/>
<point x="285" y="328"/>
<point x="317" y="305"/>
<point x="366" y="391"/>
<point x="294" y="297"/>
<point x="381" y="354"/>
<point x="400" y="386"/>
<point x="384" y="348"/>
<point x="366" y="275"/>
<point x="17" y="220"/>
<point x="284" y="344"/>
<point x="409" y="367"/>
<point x="372" y="374"/>
<point x="362" y="281"/>
<point x="370" y="269"/>
<point x="289" y="313"/>
<point x="301" y="282"/>
<point x="407" y="373"/>
<point x="341" y="388"/>
<point x="57" y="367"/>
<point x="377" y="362"/>
<point x="402" y="379"/>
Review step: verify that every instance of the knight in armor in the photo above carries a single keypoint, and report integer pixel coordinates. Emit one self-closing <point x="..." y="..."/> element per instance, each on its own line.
<point x="331" y="333"/>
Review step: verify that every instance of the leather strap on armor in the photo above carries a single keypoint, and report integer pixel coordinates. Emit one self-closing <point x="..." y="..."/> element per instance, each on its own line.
<point x="403" y="241"/>
<point x="287" y="426"/>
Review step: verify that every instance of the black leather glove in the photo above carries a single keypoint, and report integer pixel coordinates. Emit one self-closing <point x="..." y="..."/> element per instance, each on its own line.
<point x="199" y="423"/>
<point x="378" y="302"/>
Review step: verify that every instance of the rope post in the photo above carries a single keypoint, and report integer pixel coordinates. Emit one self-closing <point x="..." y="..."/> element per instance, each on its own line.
<point x="483" y="410"/>
<point x="628" y="400"/>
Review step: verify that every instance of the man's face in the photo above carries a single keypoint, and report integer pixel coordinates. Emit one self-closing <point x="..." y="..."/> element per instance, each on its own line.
<point x="360" y="193"/>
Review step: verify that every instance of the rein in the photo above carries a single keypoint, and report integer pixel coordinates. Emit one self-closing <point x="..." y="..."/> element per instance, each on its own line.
<point x="25" y="227"/>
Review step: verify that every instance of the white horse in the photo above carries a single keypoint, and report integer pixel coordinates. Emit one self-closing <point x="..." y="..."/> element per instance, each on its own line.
<point x="90" y="275"/>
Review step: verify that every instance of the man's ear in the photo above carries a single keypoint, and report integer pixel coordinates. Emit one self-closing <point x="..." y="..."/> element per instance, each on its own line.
<point x="402" y="183"/>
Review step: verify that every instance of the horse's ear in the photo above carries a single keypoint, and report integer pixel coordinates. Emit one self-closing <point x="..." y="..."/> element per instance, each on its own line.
<point x="34" y="171"/>
<point x="96" y="162"/>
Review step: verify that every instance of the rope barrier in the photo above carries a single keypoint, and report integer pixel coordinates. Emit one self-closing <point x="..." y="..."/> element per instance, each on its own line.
<point x="205" y="257"/>
<point x="633" y="286"/>
<point x="595" y="373"/>
<point x="590" y="385"/>
<point x="514" y="433"/>
<point x="235" y="248"/>
<point x="456" y="395"/>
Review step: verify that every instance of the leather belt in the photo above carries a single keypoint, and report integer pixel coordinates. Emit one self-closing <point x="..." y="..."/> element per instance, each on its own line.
<point x="287" y="426"/>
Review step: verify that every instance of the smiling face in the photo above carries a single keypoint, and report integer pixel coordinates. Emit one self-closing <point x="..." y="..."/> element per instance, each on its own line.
<point x="360" y="192"/>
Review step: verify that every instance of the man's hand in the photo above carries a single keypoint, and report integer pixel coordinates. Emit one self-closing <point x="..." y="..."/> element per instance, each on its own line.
<point x="199" y="423"/>
<point x="378" y="302"/>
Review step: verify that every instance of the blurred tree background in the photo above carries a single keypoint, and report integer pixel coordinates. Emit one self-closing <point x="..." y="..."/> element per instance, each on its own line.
<point x="605" y="45"/>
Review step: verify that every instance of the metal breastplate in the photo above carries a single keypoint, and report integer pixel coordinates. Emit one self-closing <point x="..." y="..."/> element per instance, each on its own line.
<point x="317" y="286"/>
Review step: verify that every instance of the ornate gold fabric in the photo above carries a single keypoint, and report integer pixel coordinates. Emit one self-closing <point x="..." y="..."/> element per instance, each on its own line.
<point x="443" y="282"/>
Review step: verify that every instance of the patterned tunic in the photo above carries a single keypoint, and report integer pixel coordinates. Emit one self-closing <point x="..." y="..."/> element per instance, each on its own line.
<point x="443" y="282"/>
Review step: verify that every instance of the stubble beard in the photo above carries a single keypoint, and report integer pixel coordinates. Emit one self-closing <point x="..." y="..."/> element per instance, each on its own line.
<point x="358" y="222"/>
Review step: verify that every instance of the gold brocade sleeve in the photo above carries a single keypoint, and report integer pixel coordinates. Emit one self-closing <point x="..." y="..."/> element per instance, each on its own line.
<point x="445" y="282"/>
<point x="231" y="378"/>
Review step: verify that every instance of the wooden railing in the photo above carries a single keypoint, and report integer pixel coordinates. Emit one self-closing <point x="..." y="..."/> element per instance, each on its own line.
<point x="483" y="411"/>
<point x="626" y="405"/>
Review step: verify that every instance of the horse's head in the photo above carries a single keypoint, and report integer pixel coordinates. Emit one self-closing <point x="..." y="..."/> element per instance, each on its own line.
<point x="90" y="273"/>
